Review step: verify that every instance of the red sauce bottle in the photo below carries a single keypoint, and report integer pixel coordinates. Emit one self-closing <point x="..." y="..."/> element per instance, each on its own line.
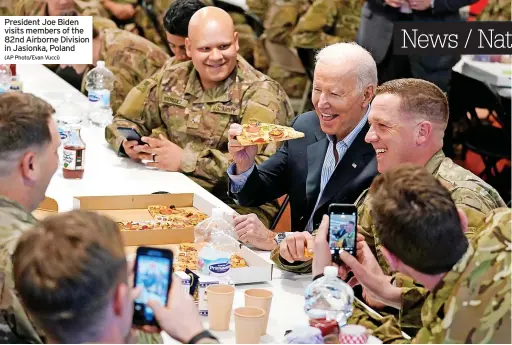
<point x="74" y="155"/>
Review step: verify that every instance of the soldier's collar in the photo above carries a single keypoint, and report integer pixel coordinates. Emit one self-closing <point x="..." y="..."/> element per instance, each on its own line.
<point x="434" y="162"/>
<point x="222" y="93"/>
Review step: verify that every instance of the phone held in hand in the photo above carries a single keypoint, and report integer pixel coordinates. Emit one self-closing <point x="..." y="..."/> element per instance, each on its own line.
<point x="342" y="229"/>
<point x="130" y="134"/>
<point x="153" y="274"/>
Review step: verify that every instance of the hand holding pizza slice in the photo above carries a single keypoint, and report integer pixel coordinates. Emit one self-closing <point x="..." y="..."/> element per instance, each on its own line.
<point x="256" y="133"/>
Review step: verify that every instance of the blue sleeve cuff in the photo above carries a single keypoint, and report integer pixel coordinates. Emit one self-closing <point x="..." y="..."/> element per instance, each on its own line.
<point x="238" y="181"/>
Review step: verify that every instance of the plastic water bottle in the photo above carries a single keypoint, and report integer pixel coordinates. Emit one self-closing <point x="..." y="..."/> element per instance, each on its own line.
<point x="67" y="115"/>
<point x="5" y="78"/>
<point x="214" y="258"/>
<point x="99" y="83"/>
<point x="329" y="298"/>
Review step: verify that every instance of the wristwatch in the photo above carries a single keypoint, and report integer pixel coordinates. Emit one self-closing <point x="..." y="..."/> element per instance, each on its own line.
<point x="281" y="236"/>
<point x="202" y="335"/>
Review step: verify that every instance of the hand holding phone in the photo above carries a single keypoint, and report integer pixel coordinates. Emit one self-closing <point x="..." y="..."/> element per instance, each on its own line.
<point x="342" y="230"/>
<point x="130" y="134"/>
<point x="153" y="275"/>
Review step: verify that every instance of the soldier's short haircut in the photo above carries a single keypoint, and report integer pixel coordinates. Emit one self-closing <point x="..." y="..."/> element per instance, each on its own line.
<point x="419" y="98"/>
<point x="66" y="269"/>
<point x="417" y="220"/>
<point x="23" y="125"/>
<point x="341" y="53"/>
<point x="178" y="16"/>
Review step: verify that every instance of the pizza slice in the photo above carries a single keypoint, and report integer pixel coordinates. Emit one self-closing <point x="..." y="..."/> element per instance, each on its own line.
<point x="255" y="133"/>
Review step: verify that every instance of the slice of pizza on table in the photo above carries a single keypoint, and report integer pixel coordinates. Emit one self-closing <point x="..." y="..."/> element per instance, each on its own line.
<point x="256" y="133"/>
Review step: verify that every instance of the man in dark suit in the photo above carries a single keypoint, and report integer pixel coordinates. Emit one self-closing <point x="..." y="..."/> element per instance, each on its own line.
<point x="332" y="163"/>
<point x="376" y="35"/>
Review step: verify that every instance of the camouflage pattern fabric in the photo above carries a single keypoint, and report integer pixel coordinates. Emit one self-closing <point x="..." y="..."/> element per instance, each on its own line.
<point x="292" y="82"/>
<point x="496" y="10"/>
<point x="258" y="7"/>
<point x="173" y="103"/>
<point x="472" y="302"/>
<point x="327" y="22"/>
<point x="131" y="59"/>
<point x="38" y="8"/>
<point x="7" y="7"/>
<point x="14" y="220"/>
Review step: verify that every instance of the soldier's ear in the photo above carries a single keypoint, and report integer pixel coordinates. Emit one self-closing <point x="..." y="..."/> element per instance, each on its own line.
<point x="235" y="37"/>
<point x="424" y="132"/>
<point x="463" y="220"/>
<point x="188" y="47"/>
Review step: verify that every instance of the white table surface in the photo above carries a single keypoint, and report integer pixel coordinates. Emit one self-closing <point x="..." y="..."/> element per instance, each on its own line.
<point x="108" y="174"/>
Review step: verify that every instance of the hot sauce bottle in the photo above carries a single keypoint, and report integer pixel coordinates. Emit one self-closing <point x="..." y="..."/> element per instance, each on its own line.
<point x="73" y="155"/>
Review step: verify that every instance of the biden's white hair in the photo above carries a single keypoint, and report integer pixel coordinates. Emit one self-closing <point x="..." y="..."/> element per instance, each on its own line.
<point x="351" y="52"/>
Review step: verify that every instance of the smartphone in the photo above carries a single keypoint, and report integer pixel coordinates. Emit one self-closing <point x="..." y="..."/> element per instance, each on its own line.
<point x="153" y="274"/>
<point x="342" y="229"/>
<point x="130" y="134"/>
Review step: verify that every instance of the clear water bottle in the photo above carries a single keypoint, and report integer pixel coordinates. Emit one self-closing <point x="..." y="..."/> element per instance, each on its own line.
<point x="99" y="83"/>
<point x="214" y="258"/>
<point x="329" y="298"/>
<point x="5" y="78"/>
<point x="66" y="115"/>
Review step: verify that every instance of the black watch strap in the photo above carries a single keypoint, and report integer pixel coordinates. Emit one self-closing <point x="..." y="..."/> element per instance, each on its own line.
<point x="199" y="336"/>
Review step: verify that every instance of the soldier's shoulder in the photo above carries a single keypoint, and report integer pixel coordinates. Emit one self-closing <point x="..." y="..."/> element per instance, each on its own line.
<point x="123" y="39"/>
<point x="464" y="184"/>
<point x="498" y="224"/>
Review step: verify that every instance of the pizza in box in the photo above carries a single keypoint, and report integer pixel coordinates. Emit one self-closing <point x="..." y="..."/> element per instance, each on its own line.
<point x="256" y="133"/>
<point x="166" y="217"/>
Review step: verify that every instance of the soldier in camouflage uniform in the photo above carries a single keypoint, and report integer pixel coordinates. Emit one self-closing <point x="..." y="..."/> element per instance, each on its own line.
<point x="25" y="123"/>
<point x="186" y="109"/>
<point x="496" y="10"/>
<point x="327" y="22"/>
<point x="468" y="281"/>
<point x="7" y="7"/>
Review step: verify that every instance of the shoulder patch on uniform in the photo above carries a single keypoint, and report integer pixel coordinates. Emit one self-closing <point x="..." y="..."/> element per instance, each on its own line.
<point x="145" y="85"/>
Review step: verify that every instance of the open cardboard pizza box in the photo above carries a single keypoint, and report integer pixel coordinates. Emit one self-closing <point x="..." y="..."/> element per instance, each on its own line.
<point x="257" y="270"/>
<point x="46" y="208"/>
<point x="135" y="208"/>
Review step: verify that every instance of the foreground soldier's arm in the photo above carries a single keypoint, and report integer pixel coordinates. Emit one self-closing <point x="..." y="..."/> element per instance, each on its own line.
<point x="263" y="101"/>
<point x="309" y="32"/>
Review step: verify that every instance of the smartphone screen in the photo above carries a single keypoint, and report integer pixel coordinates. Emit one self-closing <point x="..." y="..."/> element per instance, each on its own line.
<point x="153" y="274"/>
<point x="342" y="228"/>
<point x="130" y="134"/>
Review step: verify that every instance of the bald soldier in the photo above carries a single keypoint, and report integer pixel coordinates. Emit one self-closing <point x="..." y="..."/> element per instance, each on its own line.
<point x="184" y="111"/>
<point x="129" y="57"/>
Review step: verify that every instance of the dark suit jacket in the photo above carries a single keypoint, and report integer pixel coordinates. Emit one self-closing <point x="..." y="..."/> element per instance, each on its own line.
<point x="375" y="34"/>
<point x="295" y="169"/>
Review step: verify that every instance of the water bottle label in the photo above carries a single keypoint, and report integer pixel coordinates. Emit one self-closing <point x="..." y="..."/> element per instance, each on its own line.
<point x="101" y="97"/>
<point x="64" y="134"/>
<point x="216" y="267"/>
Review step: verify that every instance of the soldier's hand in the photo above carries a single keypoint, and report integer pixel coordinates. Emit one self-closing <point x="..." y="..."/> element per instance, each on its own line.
<point x="163" y="153"/>
<point x="130" y="149"/>
<point x="250" y="229"/>
<point x="322" y="254"/>
<point x="368" y="273"/>
<point x="395" y="3"/>
<point x="242" y="155"/>
<point x="120" y="11"/>
<point x="293" y="247"/>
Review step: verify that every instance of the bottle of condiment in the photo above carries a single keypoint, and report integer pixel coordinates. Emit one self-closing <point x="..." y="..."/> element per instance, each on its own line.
<point x="73" y="155"/>
<point x="16" y="84"/>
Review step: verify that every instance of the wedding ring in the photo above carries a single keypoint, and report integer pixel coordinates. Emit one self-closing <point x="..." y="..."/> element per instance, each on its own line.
<point x="154" y="157"/>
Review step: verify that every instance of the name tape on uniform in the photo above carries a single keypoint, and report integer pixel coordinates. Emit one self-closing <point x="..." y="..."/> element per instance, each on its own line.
<point x="46" y="40"/>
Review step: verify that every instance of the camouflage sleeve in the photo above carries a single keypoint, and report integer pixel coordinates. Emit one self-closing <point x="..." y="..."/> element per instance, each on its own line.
<point x="299" y="267"/>
<point x="139" y="111"/>
<point x="309" y="32"/>
<point x="91" y="8"/>
<point x="263" y="102"/>
<point x="280" y="21"/>
<point x="258" y="7"/>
